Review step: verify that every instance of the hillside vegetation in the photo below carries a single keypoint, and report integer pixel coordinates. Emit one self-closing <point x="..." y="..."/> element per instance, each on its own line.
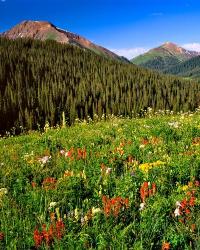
<point x="115" y="184"/>
<point x="40" y="81"/>
<point x="190" y="68"/>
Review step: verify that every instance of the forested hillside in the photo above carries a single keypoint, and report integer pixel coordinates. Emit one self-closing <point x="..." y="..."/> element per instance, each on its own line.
<point x="41" y="80"/>
<point x="190" y="68"/>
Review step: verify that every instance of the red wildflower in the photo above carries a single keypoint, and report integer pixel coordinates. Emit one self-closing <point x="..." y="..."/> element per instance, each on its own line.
<point x="81" y="153"/>
<point x="183" y="203"/>
<point x="1" y="235"/>
<point x="144" y="141"/>
<point x="60" y="227"/>
<point x="187" y="211"/>
<point x="38" y="237"/>
<point x="197" y="183"/>
<point x="144" y="191"/>
<point x="33" y="184"/>
<point x="49" y="183"/>
<point x="56" y="230"/>
<point x="192" y="201"/>
<point x="114" y="205"/>
<point x="166" y="246"/>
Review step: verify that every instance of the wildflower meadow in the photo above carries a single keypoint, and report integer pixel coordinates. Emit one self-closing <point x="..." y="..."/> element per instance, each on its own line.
<point x="115" y="184"/>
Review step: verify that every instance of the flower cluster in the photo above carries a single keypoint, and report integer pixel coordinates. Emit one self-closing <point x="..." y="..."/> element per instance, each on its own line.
<point x="147" y="191"/>
<point x="145" y="167"/>
<point x="113" y="206"/>
<point x="49" y="183"/>
<point x="55" y="231"/>
<point x="79" y="153"/>
<point x="183" y="208"/>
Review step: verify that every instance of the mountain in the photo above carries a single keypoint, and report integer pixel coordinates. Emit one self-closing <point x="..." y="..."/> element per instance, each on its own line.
<point x="164" y="57"/>
<point x="187" y="69"/>
<point x="43" y="30"/>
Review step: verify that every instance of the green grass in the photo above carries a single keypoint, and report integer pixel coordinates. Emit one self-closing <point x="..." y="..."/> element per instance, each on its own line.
<point x="96" y="174"/>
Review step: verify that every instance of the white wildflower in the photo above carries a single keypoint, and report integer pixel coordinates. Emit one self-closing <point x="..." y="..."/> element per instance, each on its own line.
<point x="3" y="191"/>
<point x="108" y="170"/>
<point x="178" y="204"/>
<point x="52" y="205"/>
<point x="177" y="212"/>
<point x="95" y="210"/>
<point x="142" y="206"/>
<point x="44" y="159"/>
<point x="174" y="124"/>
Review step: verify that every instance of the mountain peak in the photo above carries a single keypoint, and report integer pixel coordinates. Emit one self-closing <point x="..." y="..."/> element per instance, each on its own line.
<point x="165" y="56"/>
<point x="44" y="30"/>
<point x="172" y="47"/>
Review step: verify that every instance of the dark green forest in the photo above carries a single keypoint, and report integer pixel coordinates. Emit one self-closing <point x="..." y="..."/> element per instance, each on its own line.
<point x="41" y="80"/>
<point x="189" y="68"/>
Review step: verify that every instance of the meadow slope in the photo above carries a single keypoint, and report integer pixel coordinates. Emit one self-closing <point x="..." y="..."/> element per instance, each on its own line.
<point x="117" y="184"/>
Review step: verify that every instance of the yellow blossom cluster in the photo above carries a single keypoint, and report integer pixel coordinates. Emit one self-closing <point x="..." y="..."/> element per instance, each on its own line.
<point x="145" y="167"/>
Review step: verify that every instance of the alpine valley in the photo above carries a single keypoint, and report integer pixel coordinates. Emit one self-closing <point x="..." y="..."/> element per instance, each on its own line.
<point x="96" y="152"/>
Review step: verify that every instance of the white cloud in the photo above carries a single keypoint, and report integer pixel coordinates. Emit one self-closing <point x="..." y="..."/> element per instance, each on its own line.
<point x="130" y="53"/>
<point x="192" y="46"/>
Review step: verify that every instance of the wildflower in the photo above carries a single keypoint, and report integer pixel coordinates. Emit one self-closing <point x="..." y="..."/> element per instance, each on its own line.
<point x="192" y="201"/>
<point x="60" y="229"/>
<point x="95" y="210"/>
<point x="1" y="236"/>
<point x="144" y="141"/>
<point x="49" y="183"/>
<point x="108" y="170"/>
<point x="43" y="160"/>
<point x="187" y="211"/>
<point x="52" y="205"/>
<point x="178" y="204"/>
<point x="3" y="191"/>
<point x="177" y="212"/>
<point x="38" y="237"/>
<point x="114" y="205"/>
<point x="166" y="246"/>
<point x="142" y="206"/>
<point x="33" y="184"/>
<point x="174" y="124"/>
<point x="184" y="188"/>
<point x="81" y="153"/>
<point x="68" y="173"/>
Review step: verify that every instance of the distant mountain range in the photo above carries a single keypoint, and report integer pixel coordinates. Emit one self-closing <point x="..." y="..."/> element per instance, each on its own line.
<point x="164" y="57"/>
<point x="43" y="30"/>
<point x="168" y="58"/>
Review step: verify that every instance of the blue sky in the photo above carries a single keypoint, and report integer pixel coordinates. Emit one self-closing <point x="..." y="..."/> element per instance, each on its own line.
<point x="128" y="27"/>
